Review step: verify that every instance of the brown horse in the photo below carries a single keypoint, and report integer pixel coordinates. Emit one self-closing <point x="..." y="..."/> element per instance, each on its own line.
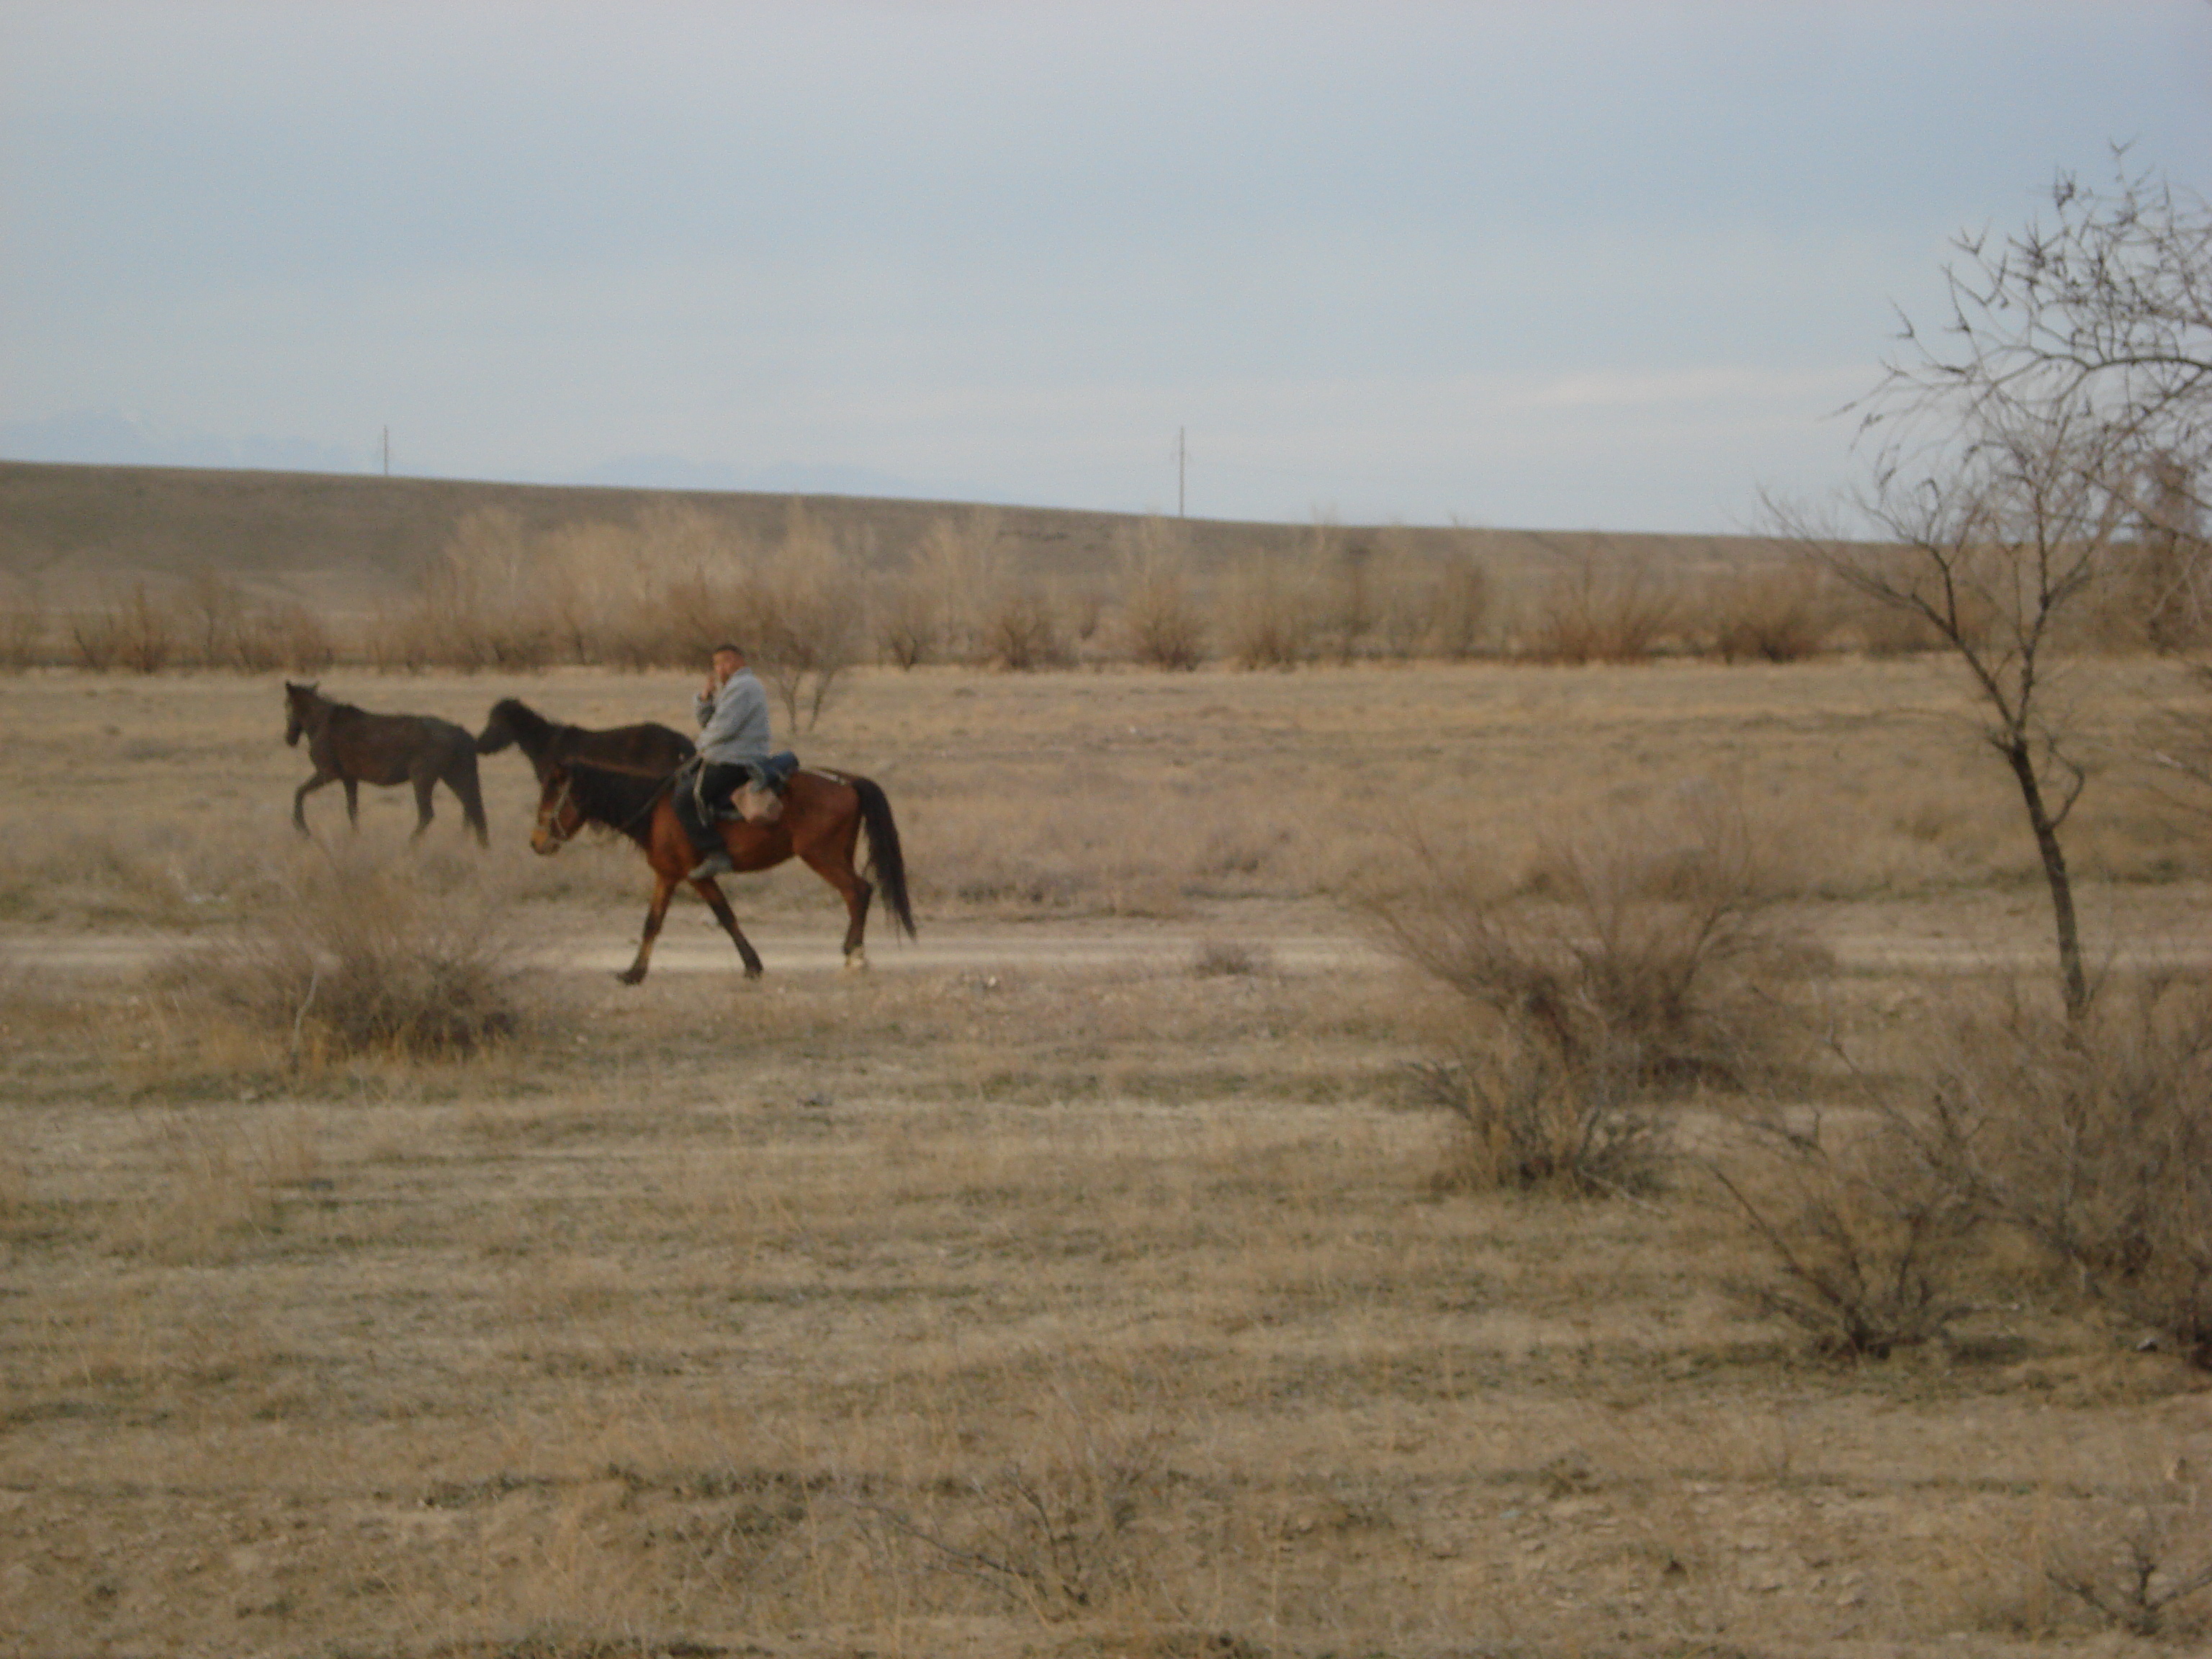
<point x="351" y="746"/>
<point x="655" y="751"/>
<point x="823" y="813"/>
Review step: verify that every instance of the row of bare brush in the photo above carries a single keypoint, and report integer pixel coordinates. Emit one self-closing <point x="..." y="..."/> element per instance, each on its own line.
<point x="657" y="592"/>
<point x="208" y="620"/>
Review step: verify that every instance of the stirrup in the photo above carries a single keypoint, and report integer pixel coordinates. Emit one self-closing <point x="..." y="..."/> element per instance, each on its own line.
<point x="716" y="863"/>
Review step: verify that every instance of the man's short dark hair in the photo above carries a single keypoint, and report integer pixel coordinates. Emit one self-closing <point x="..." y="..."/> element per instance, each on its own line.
<point x="734" y="650"/>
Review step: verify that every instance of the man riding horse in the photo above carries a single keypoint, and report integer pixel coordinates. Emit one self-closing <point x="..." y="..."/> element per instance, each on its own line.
<point x="733" y="751"/>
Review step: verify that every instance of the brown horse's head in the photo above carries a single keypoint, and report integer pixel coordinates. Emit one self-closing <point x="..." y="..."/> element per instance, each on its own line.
<point x="299" y="702"/>
<point x="559" y="816"/>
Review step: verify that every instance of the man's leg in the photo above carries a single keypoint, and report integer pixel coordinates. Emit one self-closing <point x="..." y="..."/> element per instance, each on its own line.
<point x="716" y="780"/>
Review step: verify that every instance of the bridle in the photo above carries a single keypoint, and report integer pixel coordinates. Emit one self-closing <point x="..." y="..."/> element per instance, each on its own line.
<point x="551" y="814"/>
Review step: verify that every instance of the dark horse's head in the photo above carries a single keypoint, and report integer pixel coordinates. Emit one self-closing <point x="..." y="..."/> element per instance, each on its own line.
<point x="576" y="793"/>
<point x="560" y="814"/>
<point x="301" y="702"/>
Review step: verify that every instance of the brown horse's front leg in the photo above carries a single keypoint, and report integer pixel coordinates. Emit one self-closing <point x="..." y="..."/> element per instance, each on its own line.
<point x="664" y="888"/>
<point x="353" y="802"/>
<point x="424" y="783"/>
<point x="720" y="906"/>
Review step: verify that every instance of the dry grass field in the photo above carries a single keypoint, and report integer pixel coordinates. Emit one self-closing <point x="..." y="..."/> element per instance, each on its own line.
<point x="1082" y="1279"/>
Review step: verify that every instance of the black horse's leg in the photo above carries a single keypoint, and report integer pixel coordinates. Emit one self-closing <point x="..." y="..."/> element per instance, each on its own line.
<point x="353" y="802"/>
<point x="663" y="888"/>
<point x="300" y="798"/>
<point x="720" y="906"/>
<point x="424" y="782"/>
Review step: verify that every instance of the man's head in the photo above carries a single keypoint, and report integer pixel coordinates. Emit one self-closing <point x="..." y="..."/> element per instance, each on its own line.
<point x="727" y="660"/>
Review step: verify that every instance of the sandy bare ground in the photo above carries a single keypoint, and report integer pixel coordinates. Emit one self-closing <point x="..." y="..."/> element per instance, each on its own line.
<point x="2131" y="926"/>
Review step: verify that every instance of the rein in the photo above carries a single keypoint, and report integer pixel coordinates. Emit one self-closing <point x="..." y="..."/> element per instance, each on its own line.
<point x="548" y="816"/>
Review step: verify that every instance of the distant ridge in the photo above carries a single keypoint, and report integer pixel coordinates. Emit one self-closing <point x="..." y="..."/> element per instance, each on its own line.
<point x="344" y="541"/>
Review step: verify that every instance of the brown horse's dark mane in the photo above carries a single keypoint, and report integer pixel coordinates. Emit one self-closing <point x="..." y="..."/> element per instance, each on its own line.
<point x="617" y="800"/>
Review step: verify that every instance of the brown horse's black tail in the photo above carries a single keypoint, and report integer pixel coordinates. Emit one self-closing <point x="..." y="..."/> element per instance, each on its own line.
<point x="886" y="862"/>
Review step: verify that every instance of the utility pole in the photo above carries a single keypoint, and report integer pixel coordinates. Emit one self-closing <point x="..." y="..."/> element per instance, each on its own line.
<point x="387" y="452"/>
<point x="1182" y="456"/>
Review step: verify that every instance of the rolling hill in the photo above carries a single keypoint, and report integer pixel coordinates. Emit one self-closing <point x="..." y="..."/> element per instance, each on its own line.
<point x="343" y="541"/>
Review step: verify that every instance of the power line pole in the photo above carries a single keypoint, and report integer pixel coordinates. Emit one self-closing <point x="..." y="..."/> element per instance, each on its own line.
<point x="387" y="452"/>
<point x="1182" y="456"/>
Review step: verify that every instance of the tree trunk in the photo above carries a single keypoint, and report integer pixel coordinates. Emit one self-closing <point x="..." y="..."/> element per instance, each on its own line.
<point x="2074" y="983"/>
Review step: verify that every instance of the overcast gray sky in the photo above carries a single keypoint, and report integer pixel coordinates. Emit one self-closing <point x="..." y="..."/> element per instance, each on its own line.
<point x="1567" y="264"/>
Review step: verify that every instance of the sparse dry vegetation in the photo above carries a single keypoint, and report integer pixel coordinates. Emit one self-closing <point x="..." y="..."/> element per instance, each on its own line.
<point x="1646" y="960"/>
<point x="360" y="953"/>
<point x="1089" y="1286"/>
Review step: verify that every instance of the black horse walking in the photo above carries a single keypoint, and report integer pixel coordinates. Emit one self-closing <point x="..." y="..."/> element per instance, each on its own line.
<point x="352" y="746"/>
<point x="648" y="749"/>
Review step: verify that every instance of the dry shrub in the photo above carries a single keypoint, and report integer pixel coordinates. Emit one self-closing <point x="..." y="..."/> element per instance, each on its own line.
<point x="289" y="636"/>
<point x="1425" y="605"/>
<point x="1269" y="613"/>
<point x="1867" y="1242"/>
<point x="2092" y="1138"/>
<point x="1784" y="615"/>
<point x="127" y="630"/>
<point x="1219" y="959"/>
<point x="368" y="955"/>
<point x="1594" y="608"/>
<point x="804" y="631"/>
<point x="1525" y="1122"/>
<point x="1651" y="959"/>
<point x="2154" y="1578"/>
<point x="480" y="603"/>
<point x="1341" y="580"/>
<point x="1021" y="630"/>
<point x="907" y="622"/>
<point x="1163" y="625"/>
<point x="2157" y="594"/>
<point x="22" y="627"/>
<point x="212" y="605"/>
<point x="1059" y="1530"/>
<point x="958" y="572"/>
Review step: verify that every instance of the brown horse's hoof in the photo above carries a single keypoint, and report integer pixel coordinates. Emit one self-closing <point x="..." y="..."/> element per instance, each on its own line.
<point x="632" y="977"/>
<point x="856" y="962"/>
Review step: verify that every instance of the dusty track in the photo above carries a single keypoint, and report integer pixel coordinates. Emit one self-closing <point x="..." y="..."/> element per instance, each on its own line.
<point x="2170" y="925"/>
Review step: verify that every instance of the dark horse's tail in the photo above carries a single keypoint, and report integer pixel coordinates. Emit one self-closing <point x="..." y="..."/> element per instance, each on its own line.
<point x="460" y="776"/>
<point x="886" y="862"/>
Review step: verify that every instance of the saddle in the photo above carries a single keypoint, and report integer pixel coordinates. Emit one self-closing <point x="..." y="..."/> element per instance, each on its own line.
<point x="756" y="804"/>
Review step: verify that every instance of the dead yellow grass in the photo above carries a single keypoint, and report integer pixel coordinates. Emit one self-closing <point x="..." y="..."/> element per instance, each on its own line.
<point x="1023" y="1306"/>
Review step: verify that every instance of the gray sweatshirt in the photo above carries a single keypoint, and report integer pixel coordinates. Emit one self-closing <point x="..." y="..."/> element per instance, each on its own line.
<point x="734" y="727"/>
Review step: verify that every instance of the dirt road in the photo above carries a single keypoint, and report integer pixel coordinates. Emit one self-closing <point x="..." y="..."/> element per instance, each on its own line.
<point x="2138" y="926"/>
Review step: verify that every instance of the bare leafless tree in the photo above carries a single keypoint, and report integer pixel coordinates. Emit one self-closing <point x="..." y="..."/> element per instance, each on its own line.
<point x="2105" y="306"/>
<point x="2035" y="462"/>
<point x="1994" y="544"/>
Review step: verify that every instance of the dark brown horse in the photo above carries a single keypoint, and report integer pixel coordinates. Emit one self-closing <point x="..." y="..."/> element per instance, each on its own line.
<point x="351" y="746"/>
<point x="823" y="813"/>
<point x="654" y="750"/>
